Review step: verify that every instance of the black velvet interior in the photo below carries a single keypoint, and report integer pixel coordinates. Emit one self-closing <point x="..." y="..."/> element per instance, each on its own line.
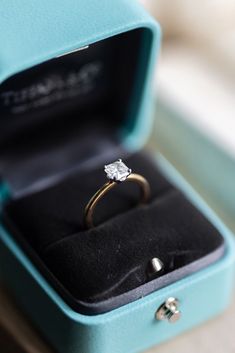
<point x="94" y="83"/>
<point x="112" y="258"/>
<point x="46" y="109"/>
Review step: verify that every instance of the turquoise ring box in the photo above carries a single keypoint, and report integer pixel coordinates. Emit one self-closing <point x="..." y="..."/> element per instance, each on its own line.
<point x="75" y="94"/>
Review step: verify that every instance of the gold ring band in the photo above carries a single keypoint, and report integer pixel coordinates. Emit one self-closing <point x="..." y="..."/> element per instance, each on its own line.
<point x="136" y="178"/>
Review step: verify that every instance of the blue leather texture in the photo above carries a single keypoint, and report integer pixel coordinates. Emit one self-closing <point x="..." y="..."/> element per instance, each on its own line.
<point x="33" y="32"/>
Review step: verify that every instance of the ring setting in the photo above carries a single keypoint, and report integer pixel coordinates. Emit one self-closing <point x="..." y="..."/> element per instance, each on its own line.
<point x="116" y="172"/>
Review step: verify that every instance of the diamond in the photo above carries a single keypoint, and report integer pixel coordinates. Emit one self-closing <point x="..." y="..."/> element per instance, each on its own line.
<point x="117" y="171"/>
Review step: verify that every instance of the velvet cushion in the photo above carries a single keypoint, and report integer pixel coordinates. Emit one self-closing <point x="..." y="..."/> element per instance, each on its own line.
<point x="113" y="257"/>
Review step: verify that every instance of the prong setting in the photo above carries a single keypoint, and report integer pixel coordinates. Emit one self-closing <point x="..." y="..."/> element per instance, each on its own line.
<point x="117" y="171"/>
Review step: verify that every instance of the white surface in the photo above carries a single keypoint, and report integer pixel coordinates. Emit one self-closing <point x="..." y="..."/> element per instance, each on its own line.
<point x="203" y="96"/>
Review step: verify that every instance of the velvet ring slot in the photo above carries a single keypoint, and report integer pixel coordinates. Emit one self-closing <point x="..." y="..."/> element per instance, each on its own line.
<point x="99" y="269"/>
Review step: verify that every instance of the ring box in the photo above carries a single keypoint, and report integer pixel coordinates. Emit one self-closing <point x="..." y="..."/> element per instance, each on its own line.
<point x="75" y="93"/>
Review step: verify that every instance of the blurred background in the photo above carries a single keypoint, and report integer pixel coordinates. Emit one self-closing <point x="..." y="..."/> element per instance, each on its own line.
<point x="195" y="95"/>
<point x="196" y="73"/>
<point x="195" y="124"/>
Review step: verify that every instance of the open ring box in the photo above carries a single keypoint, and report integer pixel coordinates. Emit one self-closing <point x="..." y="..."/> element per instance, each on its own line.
<point x="75" y="94"/>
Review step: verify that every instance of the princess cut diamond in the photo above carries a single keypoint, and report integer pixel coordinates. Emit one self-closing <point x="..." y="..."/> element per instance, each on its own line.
<point x="117" y="171"/>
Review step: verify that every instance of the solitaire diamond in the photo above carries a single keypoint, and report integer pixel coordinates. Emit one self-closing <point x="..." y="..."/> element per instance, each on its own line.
<point x="117" y="171"/>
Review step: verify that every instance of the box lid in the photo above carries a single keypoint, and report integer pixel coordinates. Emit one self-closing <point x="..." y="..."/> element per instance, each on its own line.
<point x="32" y="34"/>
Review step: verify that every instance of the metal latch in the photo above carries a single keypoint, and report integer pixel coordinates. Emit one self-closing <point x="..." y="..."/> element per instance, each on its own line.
<point x="169" y="311"/>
